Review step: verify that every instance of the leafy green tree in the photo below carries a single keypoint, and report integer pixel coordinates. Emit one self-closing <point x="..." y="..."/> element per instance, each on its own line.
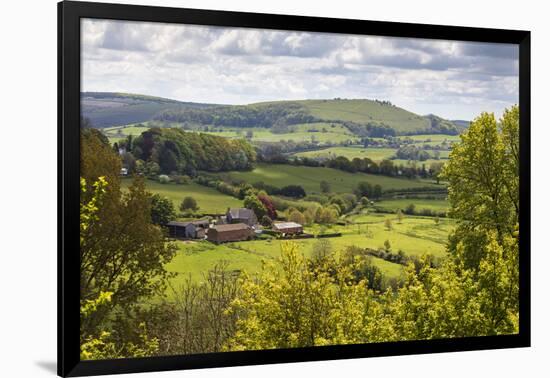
<point x="399" y="216"/>
<point x="325" y="186"/>
<point x="189" y="204"/>
<point x="435" y="170"/>
<point x="483" y="175"/>
<point x="253" y="203"/>
<point x="297" y="216"/>
<point x="121" y="251"/>
<point x="295" y="191"/>
<point x="151" y="169"/>
<point x="410" y="209"/>
<point x="168" y="161"/>
<point x="162" y="209"/>
<point x="99" y="160"/>
<point x="266" y="221"/>
<point x="95" y="304"/>
<point x="164" y="179"/>
<point x="326" y="215"/>
<point x="321" y="250"/>
<point x="364" y="189"/>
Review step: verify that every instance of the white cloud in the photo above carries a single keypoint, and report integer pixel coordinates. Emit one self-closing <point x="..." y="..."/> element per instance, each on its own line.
<point x="237" y="66"/>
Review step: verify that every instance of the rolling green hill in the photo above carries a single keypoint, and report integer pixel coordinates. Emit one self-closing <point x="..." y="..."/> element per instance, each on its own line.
<point x="367" y="111"/>
<point x="310" y="178"/>
<point x="105" y="109"/>
<point x="361" y="117"/>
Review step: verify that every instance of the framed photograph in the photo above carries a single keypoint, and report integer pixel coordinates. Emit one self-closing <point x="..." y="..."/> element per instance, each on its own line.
<point x="255" y="188"/>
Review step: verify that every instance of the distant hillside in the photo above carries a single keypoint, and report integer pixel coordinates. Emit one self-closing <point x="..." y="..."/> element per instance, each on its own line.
<point x="461" y="124"/>
<point x="442" y="126"/>
<point x="105" y="109"/>
<point x="368" y="112"/>
<point x="362" y="117"/>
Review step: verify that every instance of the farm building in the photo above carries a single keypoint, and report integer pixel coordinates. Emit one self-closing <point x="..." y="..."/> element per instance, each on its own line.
<point x="188" y="230"/>
<point x="242" y="215"/>
<point x="230" y="232"/>
<point x="288" y="228"/>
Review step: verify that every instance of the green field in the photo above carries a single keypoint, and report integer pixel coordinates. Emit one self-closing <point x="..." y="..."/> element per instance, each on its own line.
<point x="415" y="236"/>
<point x="209" y="200"/>
<point x="434" y="138"/>
<point x="351" y="152"/>
<point x="319" y="132"/>
<point x="419" y="203"/>
<point x="118" y="133"/>
<point x="365" y="111"/>
<point x="310" y="178"/>
<point x="376" y="154"/>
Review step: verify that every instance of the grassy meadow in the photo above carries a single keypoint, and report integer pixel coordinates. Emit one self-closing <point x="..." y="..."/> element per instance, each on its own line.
<point x="395" y="204"/>
<point x="414" y="235"/>
<point x="209" y="200"/>
<point x="364" y="111"/>
<point x="310" y="178"/>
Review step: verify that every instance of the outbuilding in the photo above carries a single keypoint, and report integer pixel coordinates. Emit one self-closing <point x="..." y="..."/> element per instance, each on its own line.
<point x="241" y="215"/>
<point x="188" y="230"/>
<point x="229" y="233"/>
<point x="288" y="228"/>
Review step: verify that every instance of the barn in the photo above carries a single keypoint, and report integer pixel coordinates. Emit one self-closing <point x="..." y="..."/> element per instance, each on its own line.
<point x="188" y="230"/>
<point x="229" y="233"/>
<point x="288" y="228"/>
<point x="241" y="215"/>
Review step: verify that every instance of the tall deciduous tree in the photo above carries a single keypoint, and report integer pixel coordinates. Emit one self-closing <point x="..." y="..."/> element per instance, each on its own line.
<point x="483" y="175"/>
<point x="252" y="202"/>
<point x="162" y="209"/>
<point x="121" y="250"/>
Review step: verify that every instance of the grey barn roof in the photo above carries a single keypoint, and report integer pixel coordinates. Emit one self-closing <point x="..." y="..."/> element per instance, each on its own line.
<point x="241" y="213"/>
<point x="185" y="224"/>
<point x="283" y="225"/>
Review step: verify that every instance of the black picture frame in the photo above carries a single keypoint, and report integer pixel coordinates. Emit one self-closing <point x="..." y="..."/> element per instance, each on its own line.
<point x="69" y="15"/>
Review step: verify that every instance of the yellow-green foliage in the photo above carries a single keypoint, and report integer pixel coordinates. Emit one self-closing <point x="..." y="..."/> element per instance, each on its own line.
<point x="292" y="304"/>
<point x="99" y="345"/>
<point x="483" y="175"/>
<point x="88" y="210"/>
<point x="473" y="294"/>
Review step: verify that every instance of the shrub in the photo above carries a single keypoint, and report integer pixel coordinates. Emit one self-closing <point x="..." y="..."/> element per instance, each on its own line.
<point x="266" y="221"/>
<point x="164" y="179"/>
<point x="295" y="191"/>
<point x="189" y="203"/>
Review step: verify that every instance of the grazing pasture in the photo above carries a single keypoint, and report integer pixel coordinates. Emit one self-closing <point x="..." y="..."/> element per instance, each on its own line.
<point x="310" y="178"/>
<point x="367" y="111"/>
<point x="374" y="153"/>
<point x="209" y="200"/>
<point x="419" y="203"/>
<point x="319" y="132"/>
<point x="352" y="152"/>
<point x="415" y="236"/>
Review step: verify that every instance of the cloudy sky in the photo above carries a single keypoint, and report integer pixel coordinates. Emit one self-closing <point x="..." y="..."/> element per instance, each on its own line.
<point x="456" y="80"/>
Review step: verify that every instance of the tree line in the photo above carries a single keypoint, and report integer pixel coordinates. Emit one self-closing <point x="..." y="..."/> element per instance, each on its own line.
<point x="267" y="116"/>
<point x="174" y="151"/>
